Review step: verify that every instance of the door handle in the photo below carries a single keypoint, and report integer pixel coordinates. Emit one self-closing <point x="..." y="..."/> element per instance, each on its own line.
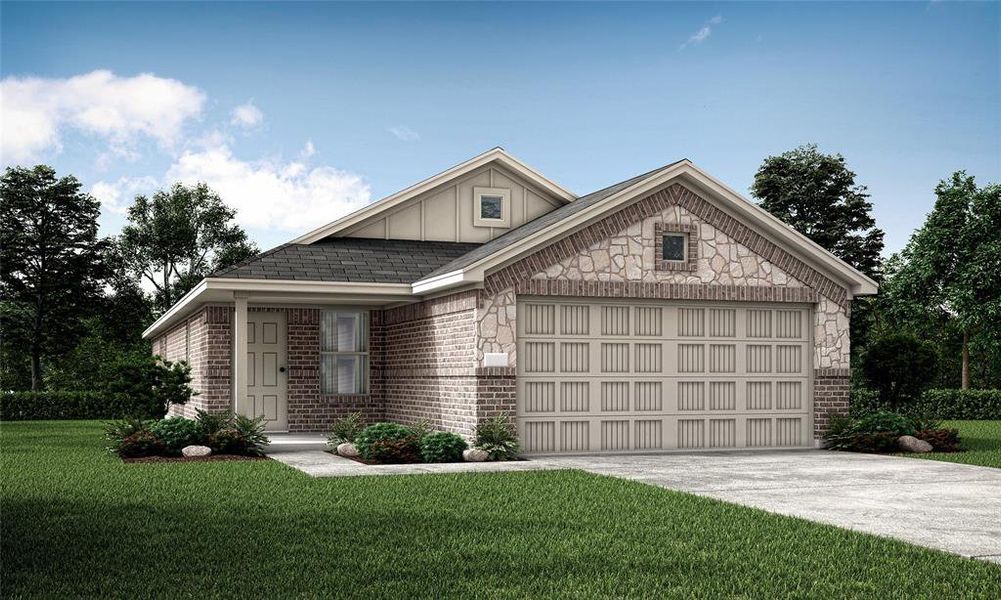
<point x="281" y="369"/>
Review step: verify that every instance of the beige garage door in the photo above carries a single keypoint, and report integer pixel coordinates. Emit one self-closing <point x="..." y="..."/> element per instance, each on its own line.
<point x="631" y="376"/>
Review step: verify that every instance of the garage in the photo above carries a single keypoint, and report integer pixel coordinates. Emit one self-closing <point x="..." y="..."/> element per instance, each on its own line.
<point x="601" y="375"/>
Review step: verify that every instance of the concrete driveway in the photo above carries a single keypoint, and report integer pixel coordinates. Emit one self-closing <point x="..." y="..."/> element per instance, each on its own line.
<point x="956" y="508"/>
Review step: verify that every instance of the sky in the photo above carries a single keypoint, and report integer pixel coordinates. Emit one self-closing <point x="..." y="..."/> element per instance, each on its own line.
<point x="298" y="113"/>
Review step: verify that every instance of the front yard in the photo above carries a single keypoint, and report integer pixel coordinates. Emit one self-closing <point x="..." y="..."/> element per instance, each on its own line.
<point x="982" y="440"/>
<point x="78" y="522"/>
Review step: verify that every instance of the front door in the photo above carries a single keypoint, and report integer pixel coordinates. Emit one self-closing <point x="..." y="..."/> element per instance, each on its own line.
<point x="267" y="385"/>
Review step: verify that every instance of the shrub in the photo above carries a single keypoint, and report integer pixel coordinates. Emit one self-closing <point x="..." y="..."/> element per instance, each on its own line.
<point x="131" y="438"/>
<point x="57" y="405"/>
<point x="961" y="404"/>
<point x="154" y="383"/>
<point x="941" y="440"/>
<point x="139" y="444"/>
<point x="421" y="428"/>
<point x="442" y="446"/>
<point x="394" y="451"/>
<point x="211" y="423"/>
<point x="241" y="435"/>
<point x="177" y="432"/>
<point x="497" y="436"/>
<point x="345" y="429"/>
<point x="936" y="404"/>
<point x="873" y="432"/>
<point x="383" y="441"/>
<point x="899" y="367"/>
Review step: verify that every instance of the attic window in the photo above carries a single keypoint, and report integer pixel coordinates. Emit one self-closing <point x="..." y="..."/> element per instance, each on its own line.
<point x="492" y="207"/>
<point x="676" y="246"/>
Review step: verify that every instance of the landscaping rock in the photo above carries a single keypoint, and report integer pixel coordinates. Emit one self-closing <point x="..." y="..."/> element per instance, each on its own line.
<point x="474" y="455"/>
<point x="909" y="443"/>
<point x="347" y="450"/>
<point x="190" y="451"/>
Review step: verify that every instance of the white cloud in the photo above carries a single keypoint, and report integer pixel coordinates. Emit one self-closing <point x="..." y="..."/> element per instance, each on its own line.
<point x="703" y="33"/>
<point x="117" y="196"/>
<point x="247" y="115"/>
<point x="273" y="194"/>
<point x="404" y="133"/>
<point x="122" y="110"/>
<point x="308" y="150"/>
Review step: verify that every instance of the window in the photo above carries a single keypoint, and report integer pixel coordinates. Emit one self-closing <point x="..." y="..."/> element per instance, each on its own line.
<point x="674" y="246"/>
<point x="344" y="352"/>
<point x="492" y="207"/>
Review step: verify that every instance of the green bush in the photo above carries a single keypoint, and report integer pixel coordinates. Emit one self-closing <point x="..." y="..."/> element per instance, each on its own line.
<point x="132" y="438"/>
<point x="442" y="446"/>
<point x="253" y="441"/>
<point x="952" y="404"/>
<point x="211" y="423"/>
<point x="153" y="382"/>
<point x="345" y="429"/>
<point x="35" y="406"/>
<point x="177" y="432"/>
<point x="873" y="432"/>
<point x="497" y="436"/>
<point x="384" y="442"/>
<point x="899" y="367"/>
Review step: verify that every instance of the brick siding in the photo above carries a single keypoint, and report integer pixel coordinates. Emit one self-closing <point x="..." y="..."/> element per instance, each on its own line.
<point x="830" y="397"/>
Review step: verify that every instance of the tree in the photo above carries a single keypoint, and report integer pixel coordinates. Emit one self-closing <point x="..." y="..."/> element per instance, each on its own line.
<point x="175" y="238"/>
<point x="950" y="270"/>
<point x="899" y="367"/>
<point x="817" y="195"/>
<point x="51" y="263"/>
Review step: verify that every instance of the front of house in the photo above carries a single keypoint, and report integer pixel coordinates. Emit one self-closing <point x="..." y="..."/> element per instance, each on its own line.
<point x="664" y="312"/>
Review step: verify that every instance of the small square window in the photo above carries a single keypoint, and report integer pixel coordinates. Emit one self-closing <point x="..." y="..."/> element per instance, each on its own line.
<point x="674" y="246"/>
<point x="490" y="207"/>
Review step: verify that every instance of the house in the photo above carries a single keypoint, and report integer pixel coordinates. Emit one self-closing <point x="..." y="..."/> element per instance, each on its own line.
<point x="663" y="312"/>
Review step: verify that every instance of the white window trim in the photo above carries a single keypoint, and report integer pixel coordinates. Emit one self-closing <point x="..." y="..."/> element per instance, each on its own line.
<point x="365" y="324"/>
<point x="505" y="195"/>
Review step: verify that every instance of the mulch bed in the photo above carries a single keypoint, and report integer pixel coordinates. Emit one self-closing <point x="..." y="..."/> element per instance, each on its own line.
<point x="178" y="459"/>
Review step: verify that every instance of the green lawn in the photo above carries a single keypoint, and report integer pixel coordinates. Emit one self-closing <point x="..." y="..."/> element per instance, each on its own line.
<point x="77" y="522"/>
<point x="982" y="439"/>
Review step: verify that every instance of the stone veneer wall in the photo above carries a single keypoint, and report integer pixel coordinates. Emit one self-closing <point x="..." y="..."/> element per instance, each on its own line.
<point x="616" y="257"/>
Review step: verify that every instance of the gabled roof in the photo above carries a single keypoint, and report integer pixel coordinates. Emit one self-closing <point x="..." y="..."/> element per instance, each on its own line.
<point x="350" y="260"/>
<point x="495" y="155"/>
<point x="472" y="268"/>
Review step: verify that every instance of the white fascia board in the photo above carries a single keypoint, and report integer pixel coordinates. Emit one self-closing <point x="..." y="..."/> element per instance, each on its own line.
<point x="858" y="284"/>
<point x="389" y="202"/>
<point x="273" y="287"/>
<point x="440" y="281"/>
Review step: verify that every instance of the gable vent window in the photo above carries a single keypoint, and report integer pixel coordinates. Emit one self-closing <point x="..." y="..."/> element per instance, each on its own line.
<point x="344" y="352"/>
<point x="492" y="207"/>
<point x="674" y="246"/>
<point x="677" y="246"/>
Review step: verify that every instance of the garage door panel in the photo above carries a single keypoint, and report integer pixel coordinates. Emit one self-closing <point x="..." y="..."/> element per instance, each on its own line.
<point x="630" y="376"/>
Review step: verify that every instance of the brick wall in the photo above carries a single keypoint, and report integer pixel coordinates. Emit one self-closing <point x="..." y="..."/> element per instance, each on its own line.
<point x="204" y="339"/>
<point x="830" y="397"/>
<point x="429" y="358"/>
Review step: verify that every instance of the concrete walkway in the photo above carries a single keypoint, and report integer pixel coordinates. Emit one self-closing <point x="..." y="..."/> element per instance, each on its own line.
<point x="956" y="508"/>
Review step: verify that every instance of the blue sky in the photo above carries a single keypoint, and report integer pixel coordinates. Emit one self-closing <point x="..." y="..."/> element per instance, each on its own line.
<point x="300" y="112"/>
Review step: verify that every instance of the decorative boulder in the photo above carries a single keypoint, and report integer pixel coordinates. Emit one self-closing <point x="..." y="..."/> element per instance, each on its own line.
<point x="909" y="443"/>
<point x="190" y="451"/>
<point x="474" y="455"/>
<point x="347" y="450"/>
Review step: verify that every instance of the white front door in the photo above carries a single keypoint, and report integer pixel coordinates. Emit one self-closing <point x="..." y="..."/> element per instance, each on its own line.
<point x="267" y="385"/>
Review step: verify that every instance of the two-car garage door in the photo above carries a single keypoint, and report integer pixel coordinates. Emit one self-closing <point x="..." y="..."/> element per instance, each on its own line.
<point x="598" y="375"/>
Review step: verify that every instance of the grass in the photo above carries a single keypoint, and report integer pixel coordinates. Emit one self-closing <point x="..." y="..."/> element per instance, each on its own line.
<point x="982" y="440"/>
<point x="77" y="522"/>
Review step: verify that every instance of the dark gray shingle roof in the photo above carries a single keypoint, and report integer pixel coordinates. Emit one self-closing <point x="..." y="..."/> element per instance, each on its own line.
<point x="349" y="259"/>
<point x="550" y="218"/>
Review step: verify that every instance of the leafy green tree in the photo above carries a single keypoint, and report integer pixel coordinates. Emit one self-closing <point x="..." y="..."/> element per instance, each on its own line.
<point x="816" y="194"/>
<point x="899" y="367"/>
<point x="51" y="265"/>
<point x="176" y="237"/>
<point x="950" y="270"/>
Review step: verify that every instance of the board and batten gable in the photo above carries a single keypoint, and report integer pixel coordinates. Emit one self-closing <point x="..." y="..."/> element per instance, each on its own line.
<point x="447" y="212"/>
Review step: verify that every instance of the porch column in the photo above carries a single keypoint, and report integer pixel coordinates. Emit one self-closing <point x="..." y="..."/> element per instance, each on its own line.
<point x="240" y="355"/>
